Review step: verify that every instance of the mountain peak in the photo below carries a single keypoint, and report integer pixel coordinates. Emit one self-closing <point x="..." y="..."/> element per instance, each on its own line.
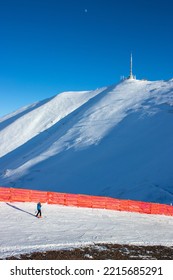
<point x="114" y="141"/>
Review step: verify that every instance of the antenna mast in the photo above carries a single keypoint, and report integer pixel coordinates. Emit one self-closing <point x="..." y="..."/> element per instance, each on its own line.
<point x="131" y="67"/>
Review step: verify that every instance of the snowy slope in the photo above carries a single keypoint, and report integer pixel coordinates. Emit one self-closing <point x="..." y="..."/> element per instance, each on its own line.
<point x="33" y="119"/>
<point x="21" y="232"/>
<point x="115" y="141"/>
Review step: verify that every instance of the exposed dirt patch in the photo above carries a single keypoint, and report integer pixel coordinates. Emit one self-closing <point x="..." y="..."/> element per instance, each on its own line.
<point x="103" y="252"/>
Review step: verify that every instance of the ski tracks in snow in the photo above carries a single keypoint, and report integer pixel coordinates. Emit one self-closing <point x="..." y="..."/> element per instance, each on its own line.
<point x="70" y="227"/>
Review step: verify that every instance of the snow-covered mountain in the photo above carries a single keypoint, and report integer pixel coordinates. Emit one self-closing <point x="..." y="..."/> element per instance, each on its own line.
<point x="115" y="141"/>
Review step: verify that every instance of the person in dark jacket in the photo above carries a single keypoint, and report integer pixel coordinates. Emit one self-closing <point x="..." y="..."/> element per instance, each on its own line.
<point x="38" y="209"/>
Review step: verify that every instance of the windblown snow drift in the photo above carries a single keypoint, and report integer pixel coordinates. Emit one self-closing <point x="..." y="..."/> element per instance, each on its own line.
<point x="115" y="141"/>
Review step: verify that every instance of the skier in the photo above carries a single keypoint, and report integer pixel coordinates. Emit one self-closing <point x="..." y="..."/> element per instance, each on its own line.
<point x="38" y="209"/>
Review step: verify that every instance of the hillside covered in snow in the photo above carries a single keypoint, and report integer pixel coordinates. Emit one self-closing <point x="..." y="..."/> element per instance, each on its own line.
<point x="115" y="141"/>
<point x="59" y="229"/>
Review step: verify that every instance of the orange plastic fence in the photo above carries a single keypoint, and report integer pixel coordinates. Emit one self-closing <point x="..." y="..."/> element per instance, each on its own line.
<point x="78" y="200"/>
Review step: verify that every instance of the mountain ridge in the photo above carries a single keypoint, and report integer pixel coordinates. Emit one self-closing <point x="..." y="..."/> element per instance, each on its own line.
<point x="114" y="141"/>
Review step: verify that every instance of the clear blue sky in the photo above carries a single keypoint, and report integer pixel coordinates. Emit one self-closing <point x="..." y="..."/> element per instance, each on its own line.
<point x="49" y="46"/>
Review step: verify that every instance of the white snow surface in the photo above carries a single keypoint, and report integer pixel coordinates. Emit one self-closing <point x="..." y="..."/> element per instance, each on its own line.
<point x="65" y="227"/>
<point x="114" y="141"/>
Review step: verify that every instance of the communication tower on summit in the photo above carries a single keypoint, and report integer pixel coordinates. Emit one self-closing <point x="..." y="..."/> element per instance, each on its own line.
<point x="131" y="76"/>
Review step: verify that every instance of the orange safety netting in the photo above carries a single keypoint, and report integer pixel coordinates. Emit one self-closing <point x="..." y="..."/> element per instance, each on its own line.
<point x="80" y="200"/>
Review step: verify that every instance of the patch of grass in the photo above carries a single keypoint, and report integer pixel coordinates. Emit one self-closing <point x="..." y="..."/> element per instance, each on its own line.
<point x="103" y="252"/>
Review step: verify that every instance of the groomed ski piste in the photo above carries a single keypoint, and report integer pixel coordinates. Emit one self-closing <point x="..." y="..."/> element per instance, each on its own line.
<point x="115" y="141"/>
<point x="63" y="227"/>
